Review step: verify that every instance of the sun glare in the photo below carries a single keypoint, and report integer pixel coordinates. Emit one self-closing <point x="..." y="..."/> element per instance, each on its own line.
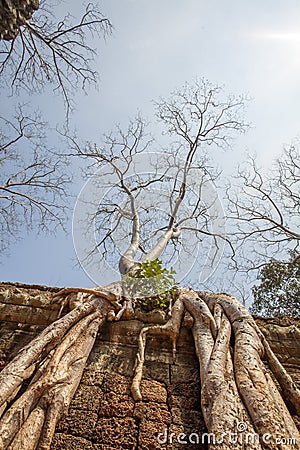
<point x="293" y="37"/>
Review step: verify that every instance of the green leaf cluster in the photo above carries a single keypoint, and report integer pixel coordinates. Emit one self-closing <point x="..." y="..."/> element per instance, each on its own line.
<point x="278" y="293"/>
<point x="151" y="285"/>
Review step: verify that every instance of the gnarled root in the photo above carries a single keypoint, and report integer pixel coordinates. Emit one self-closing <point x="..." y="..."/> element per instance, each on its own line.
<point x="112" y="293"/>
<point x="291" y="392"/>
<point x="171" y="329"/>
<point x="221" y="405"/>
<point x="264" y="405"/>
<point x="22" y="366"/>
<point x="240" y="403"/>
<point x="65" y="347"/>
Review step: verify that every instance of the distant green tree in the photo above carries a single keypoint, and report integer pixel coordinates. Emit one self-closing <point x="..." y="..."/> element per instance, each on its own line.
<point x="278" y="293"/>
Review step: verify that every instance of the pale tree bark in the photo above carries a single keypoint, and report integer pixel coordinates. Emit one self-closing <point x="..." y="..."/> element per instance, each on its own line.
<point x="161" y="244"/>
<point x="54" y="361"/>
<point x="126" y="262"/>
<point x="236" y="389"/>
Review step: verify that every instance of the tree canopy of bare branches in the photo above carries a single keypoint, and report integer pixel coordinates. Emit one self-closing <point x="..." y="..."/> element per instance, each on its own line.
<point x="33" y="178"/>
<point x="159" y="202"/>
<point x="47" y="51"/>
<point x="40" y="50"/>
<point x="265" y="208"/>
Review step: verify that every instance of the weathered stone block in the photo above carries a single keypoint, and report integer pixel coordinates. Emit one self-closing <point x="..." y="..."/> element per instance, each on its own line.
<point x="87" y="398"/>
<point x="153" y="391"/>
<point x="116" y="405"/>
<point x="78" y="423"/>
<point x="116" y="433"/>
<point x="67" y="442"/>
<point x="149" y="433"/>
<point x="153" y="412"/>
<point x="114" y="382"/>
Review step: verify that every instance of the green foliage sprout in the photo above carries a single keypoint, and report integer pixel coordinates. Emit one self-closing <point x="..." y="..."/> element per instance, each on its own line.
<point x="151" y="285"/>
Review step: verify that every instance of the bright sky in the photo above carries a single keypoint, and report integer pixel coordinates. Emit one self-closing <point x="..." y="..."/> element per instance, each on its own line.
<point x="250" y="47"/>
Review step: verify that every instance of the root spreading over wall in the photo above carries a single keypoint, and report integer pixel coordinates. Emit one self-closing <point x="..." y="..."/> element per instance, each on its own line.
<point x="37" y="386"/>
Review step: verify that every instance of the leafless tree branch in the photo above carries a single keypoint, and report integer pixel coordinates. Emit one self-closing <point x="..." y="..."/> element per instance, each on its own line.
<point x="33" y="180"/>
<point x="57" y="53"/>
<point x="265" y="208"/>
<point x="175" y="192"/>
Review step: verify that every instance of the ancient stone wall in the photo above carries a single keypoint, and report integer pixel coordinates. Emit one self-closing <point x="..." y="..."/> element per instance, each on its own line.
<point x="102" y="414"/>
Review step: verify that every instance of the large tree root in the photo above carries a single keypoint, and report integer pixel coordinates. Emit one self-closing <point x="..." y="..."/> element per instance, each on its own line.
<point x="221" y="404"/>
<point x="55" y="360"/>
<point x="171" y="329"/>
<point x="264" y="404"/>
<point x="23" y="365"/>
<point x="291" y="392"/>
<point x="240" y="403"/>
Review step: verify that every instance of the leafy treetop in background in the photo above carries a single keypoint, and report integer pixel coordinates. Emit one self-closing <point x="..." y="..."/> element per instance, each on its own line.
<point x="278" y="293"/>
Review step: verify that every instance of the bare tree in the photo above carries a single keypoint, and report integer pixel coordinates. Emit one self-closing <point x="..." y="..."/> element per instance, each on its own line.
<point x="235" y="386"/>
<point x="38" y="50"/>
<point x="265" y="209"/>
<point x="45" y="51"/>
<point x="33" y="178"/>
<point x="148" y="190"/>
<point x="173" y="198"/>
